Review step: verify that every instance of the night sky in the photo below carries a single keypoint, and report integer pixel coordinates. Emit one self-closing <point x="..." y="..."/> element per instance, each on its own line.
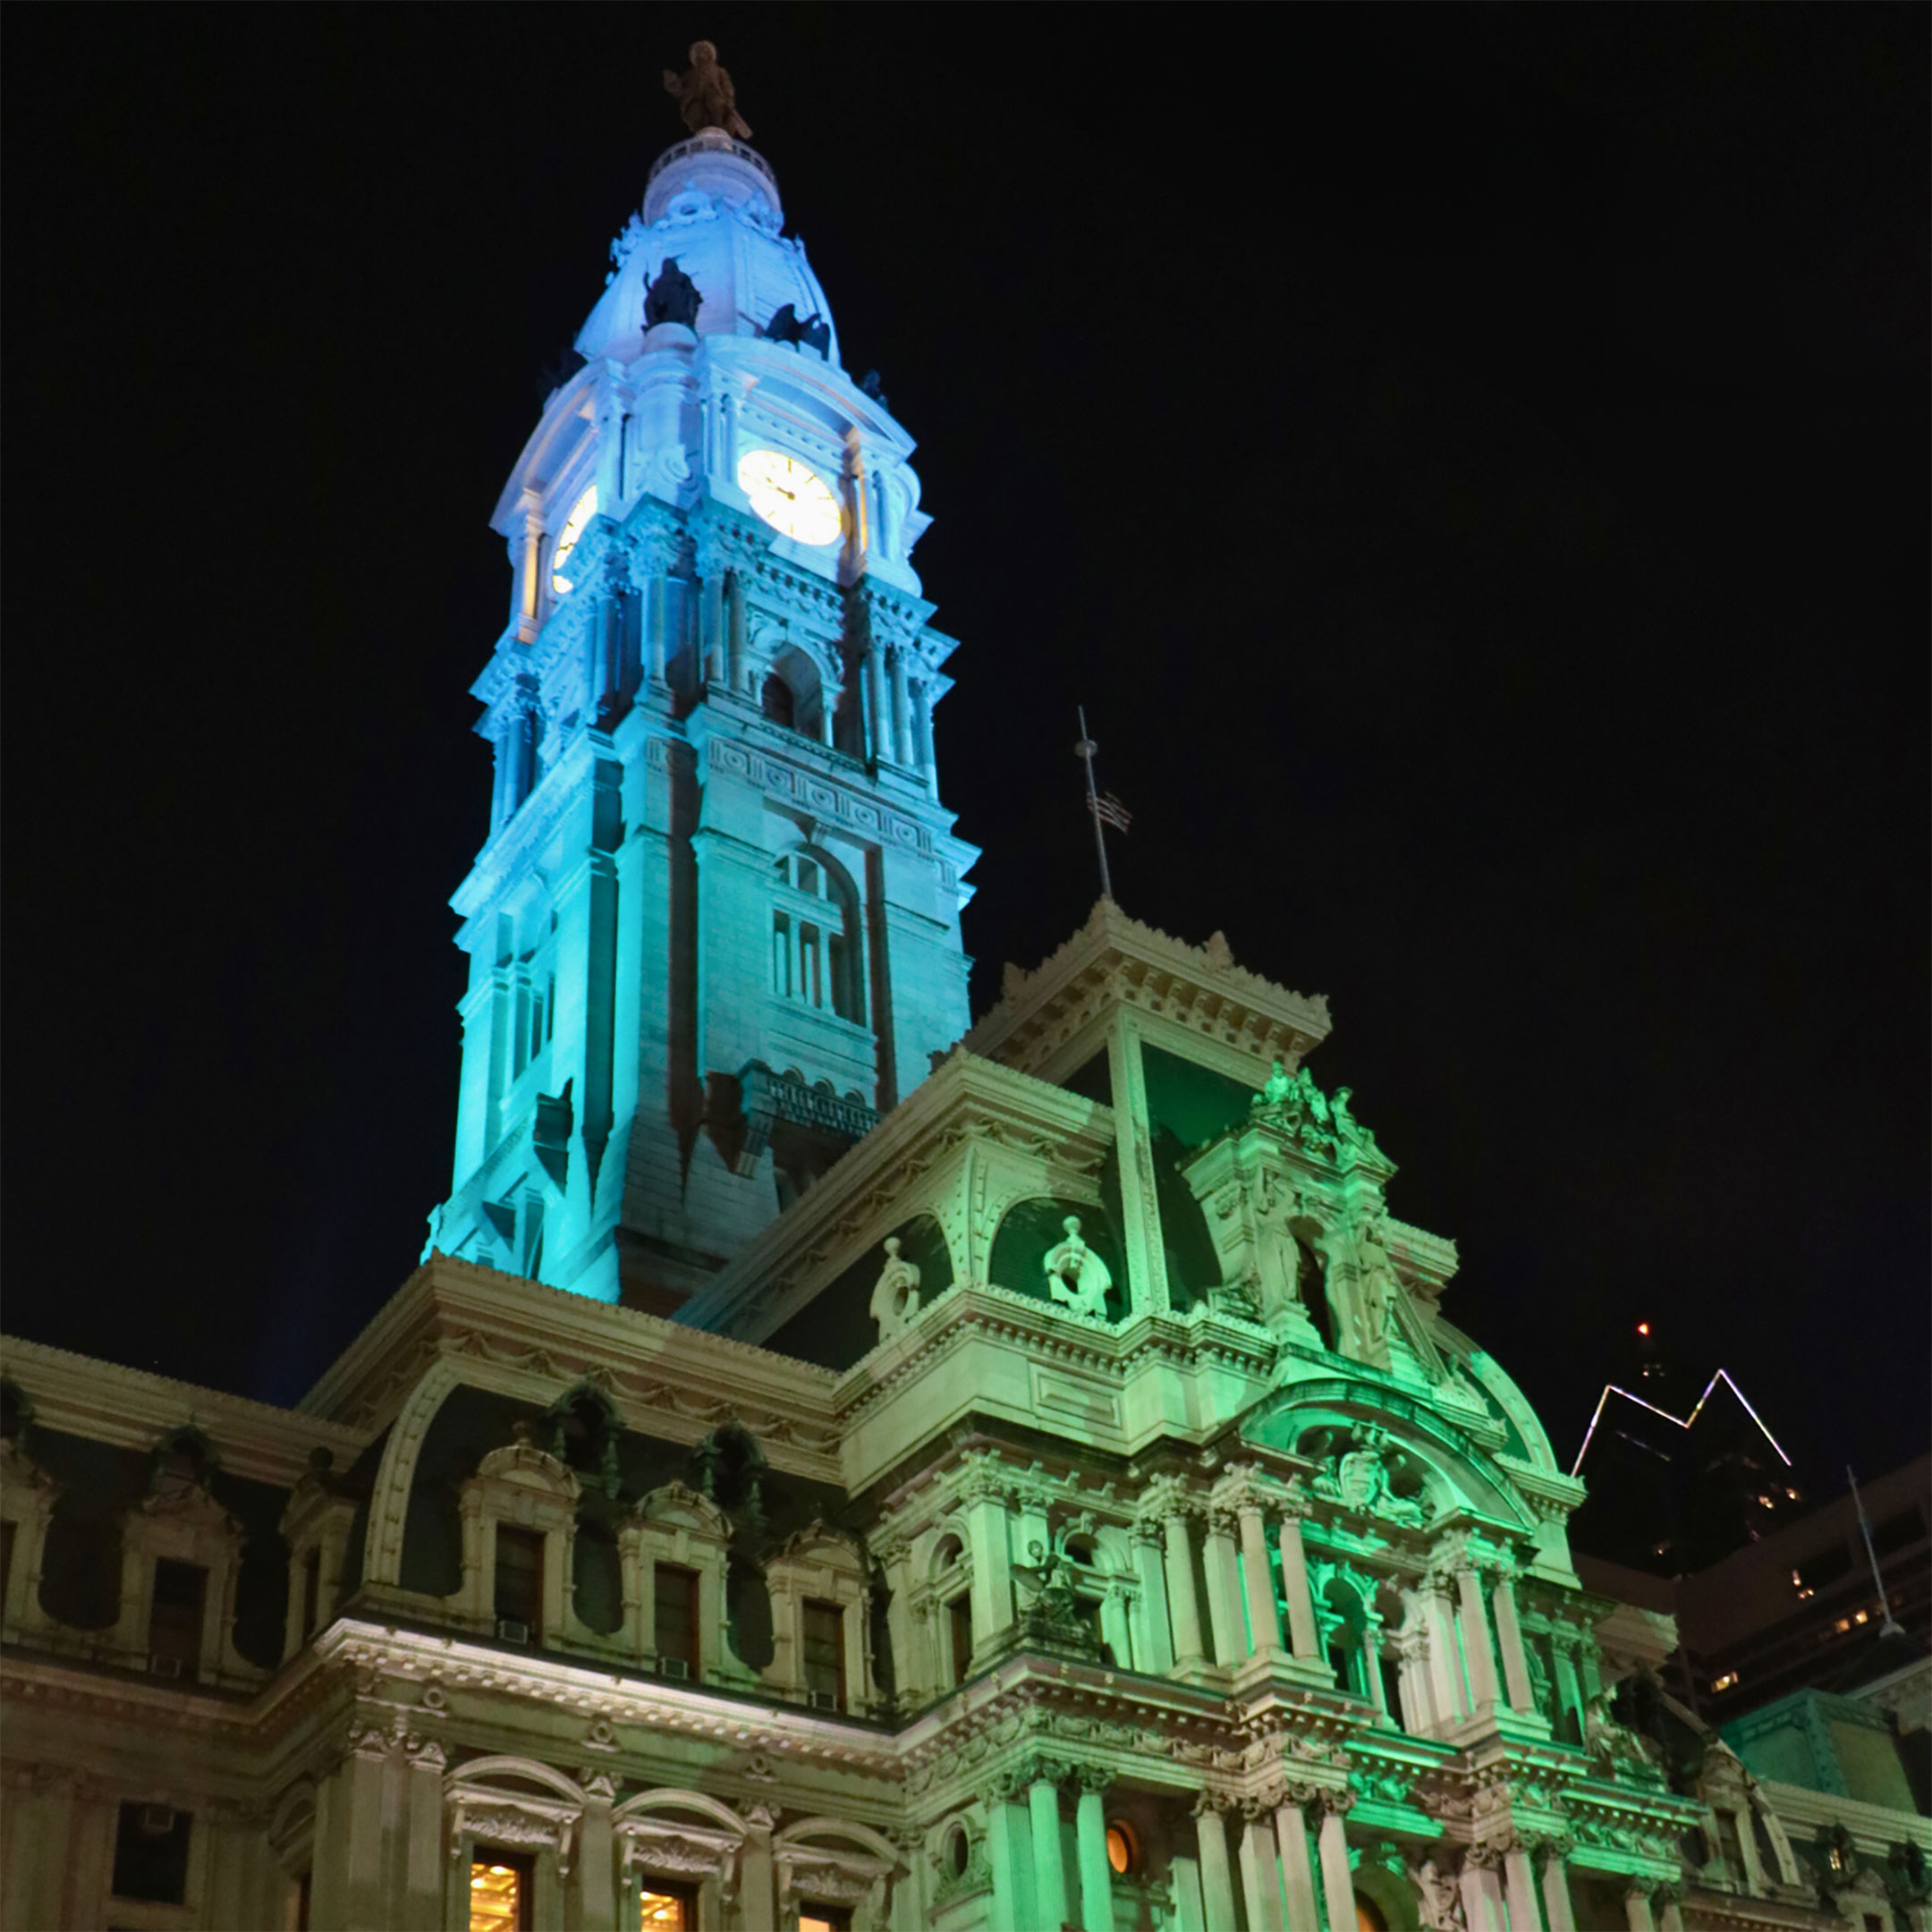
<point x="1471" y="465"/>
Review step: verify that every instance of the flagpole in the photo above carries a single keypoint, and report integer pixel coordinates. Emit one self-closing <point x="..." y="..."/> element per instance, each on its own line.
<point x="1084" y="750"/>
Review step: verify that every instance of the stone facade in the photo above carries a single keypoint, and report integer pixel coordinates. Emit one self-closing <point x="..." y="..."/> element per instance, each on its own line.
<point x="907" y="1476"/>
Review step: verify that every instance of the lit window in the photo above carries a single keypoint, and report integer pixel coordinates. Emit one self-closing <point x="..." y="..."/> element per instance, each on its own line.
<point x="1860" y="1617"/>
<point x="824" y="1918"/>
<point x="1844" y="1623"/>
<point x="1122" y="1848"/>
<point x="500" y="1893"/>
<point x="667" y="1908"/>
<point x="1723" y="1682"/>
<point x="581" y="511"/>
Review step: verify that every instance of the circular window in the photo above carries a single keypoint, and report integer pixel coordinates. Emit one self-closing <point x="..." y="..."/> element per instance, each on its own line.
<point x="1123" y="1847"/>
<point x="955" y="1851"/>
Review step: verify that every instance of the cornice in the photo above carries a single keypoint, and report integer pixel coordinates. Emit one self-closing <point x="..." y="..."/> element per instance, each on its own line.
<point x="131" y="1407"/>
<point x="1199" y="989"/>
<point x="499" y="1328"/>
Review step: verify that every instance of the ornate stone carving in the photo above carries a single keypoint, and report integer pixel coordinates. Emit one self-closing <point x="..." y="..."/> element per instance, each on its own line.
<point x="1076" y="1275"/>
<point x="895" y="1295"/>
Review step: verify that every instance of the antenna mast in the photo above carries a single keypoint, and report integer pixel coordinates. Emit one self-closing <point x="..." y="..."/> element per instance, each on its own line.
<point x="1084" y="751"/>
<point x="1889" y="1626"/>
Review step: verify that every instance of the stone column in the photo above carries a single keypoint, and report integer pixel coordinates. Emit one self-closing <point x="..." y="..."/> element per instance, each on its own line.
<point x="1181" y="1594"/>
<point x="1670" y="1914"/>
<point x="1010" y="1853"/>
<point x="1519" y="1891"/>
<point x="711" y="622"/>
<point x="758" y="1890"/>
<point x="1217" y="1880"/>
<point x="1556" y="1906"/>
<point x="529" y="571"/>
<point x="1510" y="1639"/>
<point x="1474" y="1627"/>
<point x="1637" y="1909"/>
<point x="992" y="1571"/>
<point x="1260" y="1871"/>
<point x="1154" y="1650"/>
<point x="1303" y="1638"/>
<point x="654" y="618"/>
<point x="1298" y="1874"/>
<point x="1184" y="1876"/>
<point x="1263" y="1618"/>
<point x="1049" y="1861"/>
<point x="737" y="659"/>
<point x="423" y="1856"/>
<point x="878" y="715"/>
<point x="1095" y="1875"/>
<point x="1338" y="1887"/>
<point x="1447" y="1683"/>
<point x="1371" y="1644"/>
<point x="1224" y="1590"/>
<point x="1482" y="1892"/>
<point x="902" y="707"/>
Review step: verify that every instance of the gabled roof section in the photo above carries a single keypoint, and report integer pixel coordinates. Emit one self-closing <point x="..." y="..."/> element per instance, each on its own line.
<point x="1116" y="960"/>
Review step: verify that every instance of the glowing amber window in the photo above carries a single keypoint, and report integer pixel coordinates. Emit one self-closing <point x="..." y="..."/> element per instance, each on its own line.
<point x="499" y="1893"/>
<point x="581" y="511"/>
<point x="1122" y="1848"/>
<point x="795" y="501"/>
<point x="668" y="1912"/>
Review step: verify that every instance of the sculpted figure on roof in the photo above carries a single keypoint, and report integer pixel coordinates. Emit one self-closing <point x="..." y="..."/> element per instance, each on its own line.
<point x="704" y="94"/>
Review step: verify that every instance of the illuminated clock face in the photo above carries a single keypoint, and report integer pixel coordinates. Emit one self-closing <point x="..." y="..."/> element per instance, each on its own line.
<point x="795" y="501"/>
<point x="581" y="511"/>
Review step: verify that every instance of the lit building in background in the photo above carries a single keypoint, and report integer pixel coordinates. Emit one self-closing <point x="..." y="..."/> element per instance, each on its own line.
<point x="840" y="1466"/>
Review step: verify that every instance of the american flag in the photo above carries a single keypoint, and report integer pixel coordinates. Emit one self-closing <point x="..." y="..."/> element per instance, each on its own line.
<point x="1109" y="810"/>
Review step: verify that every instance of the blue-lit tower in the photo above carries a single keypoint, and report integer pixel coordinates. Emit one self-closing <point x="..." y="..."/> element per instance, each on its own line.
<point x="714" y="931"/>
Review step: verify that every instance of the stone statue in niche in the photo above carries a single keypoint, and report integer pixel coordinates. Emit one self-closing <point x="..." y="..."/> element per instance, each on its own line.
<point x="895" y="1296"/>
<point x="1379" y="1287"/>
<point x="1277" y="1259"/>
<point x="673" y="297"/>
<point x="704" y="93"/>
<point x="1076" y="1275"/>
<point x="814" y="332"/>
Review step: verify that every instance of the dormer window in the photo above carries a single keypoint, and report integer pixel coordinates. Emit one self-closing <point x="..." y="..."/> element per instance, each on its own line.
<point x="175" y="1617"/>
<point x="519" y="1594"/>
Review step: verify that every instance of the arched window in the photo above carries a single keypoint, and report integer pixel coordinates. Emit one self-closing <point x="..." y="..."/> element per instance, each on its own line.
<point x="792" y="694"/>
<point x="818" y="956"/>
<point x="778" y="703"/>
<point x="1344" y="1620"/>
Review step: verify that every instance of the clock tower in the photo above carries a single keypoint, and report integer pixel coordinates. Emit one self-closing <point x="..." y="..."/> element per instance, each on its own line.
<point x="714" y="930"/>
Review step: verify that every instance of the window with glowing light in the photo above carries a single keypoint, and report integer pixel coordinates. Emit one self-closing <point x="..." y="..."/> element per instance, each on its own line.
<point x="824" y="1918"/>
<point x="667" y="1907"/>
<point x="501" y="1894"/>
<point x="1122" y="1848"/>
<point x="574" y="524"/>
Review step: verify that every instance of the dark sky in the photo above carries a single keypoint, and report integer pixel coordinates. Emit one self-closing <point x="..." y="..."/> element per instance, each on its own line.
<point x="1470" y="463"/>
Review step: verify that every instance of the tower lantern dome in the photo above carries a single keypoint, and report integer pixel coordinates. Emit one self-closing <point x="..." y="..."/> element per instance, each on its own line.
<point x="711" y="205"/>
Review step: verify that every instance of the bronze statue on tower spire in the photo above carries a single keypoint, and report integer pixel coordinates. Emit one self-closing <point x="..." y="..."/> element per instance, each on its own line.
<point x="704" y="94"/>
